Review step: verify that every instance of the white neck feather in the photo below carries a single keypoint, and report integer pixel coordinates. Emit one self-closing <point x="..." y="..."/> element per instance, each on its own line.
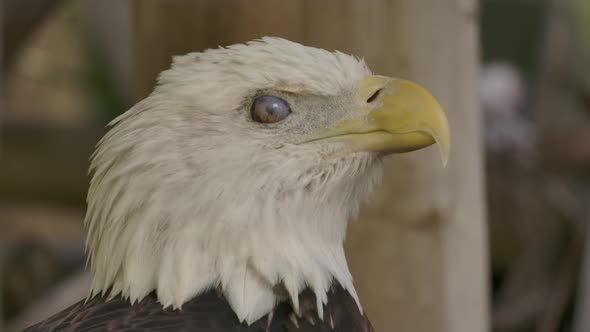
<point x="183" y="229"/>
<point x="185" y="197"/>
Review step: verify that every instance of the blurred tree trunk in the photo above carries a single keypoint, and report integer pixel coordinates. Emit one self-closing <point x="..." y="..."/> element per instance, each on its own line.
<point x="21" y="17"/>
<point x="418" y="252"/>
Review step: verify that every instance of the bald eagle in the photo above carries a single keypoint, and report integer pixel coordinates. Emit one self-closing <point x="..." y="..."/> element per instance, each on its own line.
<point x="221" y="201"/>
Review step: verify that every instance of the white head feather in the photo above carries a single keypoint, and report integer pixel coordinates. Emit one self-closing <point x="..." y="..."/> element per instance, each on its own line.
<point x="189" y="194"/>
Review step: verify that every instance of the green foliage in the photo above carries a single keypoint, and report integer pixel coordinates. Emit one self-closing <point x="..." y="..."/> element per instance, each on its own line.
<point x="581" y="10"/>
<point x="512" y="31"/>
<point x="107" y="99"/>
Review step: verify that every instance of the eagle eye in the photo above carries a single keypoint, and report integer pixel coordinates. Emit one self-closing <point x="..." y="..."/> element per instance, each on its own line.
<point x="269" y="109"/>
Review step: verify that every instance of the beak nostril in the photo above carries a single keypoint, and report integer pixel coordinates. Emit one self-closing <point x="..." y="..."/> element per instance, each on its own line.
<point x="374" y="96"/>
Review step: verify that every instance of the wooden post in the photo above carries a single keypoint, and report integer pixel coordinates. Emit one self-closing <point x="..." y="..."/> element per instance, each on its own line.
<point x="21" y="17"/>
<point x="418" y="252"/>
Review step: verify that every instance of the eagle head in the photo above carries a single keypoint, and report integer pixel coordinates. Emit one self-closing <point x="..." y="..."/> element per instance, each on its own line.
<point x="241" y="170"/>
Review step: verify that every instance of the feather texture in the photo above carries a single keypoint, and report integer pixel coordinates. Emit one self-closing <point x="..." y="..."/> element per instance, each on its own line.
<point x="209" y="312"/>
<point x="187" y="194"/>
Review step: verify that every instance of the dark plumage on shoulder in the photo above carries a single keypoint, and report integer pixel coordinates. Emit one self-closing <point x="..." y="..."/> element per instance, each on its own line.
<point x="208" y="312"/>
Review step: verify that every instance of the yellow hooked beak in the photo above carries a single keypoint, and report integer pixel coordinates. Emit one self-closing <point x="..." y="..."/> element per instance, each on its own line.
<point x="397" y="116"/>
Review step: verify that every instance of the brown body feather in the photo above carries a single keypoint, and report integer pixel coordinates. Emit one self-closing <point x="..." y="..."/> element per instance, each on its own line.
<point x="209" y="312"/>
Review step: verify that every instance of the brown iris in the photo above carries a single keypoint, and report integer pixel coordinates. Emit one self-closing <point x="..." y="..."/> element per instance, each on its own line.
<point x="269" y="109"/>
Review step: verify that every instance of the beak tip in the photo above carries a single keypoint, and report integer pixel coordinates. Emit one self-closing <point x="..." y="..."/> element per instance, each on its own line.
<point x="444" y="148"/>
<point x="444" y="156"/>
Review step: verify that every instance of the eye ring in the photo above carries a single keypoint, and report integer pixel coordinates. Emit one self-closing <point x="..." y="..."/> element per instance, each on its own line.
<point x="269" y="109"/>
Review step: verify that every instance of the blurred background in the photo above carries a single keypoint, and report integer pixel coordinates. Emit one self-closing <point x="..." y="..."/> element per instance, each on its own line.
<point x="68" y="67"/>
